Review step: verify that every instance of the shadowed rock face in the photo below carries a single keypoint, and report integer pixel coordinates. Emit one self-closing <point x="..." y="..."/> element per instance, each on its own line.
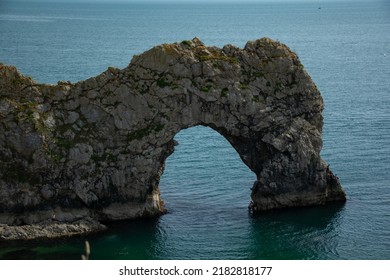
<point x="97" y="148"/>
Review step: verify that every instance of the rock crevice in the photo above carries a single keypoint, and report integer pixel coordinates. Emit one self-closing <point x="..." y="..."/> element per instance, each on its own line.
<point x="97" y="148"/>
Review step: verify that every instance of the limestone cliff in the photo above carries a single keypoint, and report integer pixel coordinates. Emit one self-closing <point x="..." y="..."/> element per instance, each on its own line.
<point x="97" y="148"/>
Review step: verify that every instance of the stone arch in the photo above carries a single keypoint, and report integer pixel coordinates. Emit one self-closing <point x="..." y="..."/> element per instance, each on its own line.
<point x="98" y="147"/>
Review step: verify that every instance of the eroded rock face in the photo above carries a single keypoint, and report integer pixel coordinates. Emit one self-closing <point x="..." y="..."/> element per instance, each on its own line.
<point x="97" y="148"/>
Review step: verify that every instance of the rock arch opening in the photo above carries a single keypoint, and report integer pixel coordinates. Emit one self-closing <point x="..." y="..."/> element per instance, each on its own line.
<point x="205" y="169"/>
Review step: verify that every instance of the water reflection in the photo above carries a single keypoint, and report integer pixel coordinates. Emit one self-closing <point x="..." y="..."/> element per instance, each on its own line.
<point x="129" y="240"/>
<point x="304" y="233"/>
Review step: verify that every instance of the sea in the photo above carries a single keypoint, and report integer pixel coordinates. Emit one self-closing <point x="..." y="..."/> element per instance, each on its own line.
<point x="344" y="46"/>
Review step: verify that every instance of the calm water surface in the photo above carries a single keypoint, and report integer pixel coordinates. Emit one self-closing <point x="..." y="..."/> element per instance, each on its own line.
<point x="346" y="49"/>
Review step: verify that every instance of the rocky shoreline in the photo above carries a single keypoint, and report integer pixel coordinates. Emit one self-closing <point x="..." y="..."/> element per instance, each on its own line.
<point x="50" y="229"/>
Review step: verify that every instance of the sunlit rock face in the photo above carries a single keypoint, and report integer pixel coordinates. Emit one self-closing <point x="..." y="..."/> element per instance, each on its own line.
<point x="97" y="148"/>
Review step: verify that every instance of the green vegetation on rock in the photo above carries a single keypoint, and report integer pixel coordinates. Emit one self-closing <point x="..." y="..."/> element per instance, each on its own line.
<point x="141" y="133"/>
<point x="162" y="83"/>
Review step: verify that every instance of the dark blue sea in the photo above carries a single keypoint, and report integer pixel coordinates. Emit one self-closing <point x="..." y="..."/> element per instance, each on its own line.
<point x="345" y="47"/>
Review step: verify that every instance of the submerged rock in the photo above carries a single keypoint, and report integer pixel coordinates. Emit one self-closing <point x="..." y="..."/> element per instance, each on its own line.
<point x="97" y="148"/>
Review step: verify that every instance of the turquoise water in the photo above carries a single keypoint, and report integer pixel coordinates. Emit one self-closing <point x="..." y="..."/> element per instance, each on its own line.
<point x="346" y="49"/>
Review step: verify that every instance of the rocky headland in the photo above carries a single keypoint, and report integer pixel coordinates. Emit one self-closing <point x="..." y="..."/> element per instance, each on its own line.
<point x="95" y="150"/>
